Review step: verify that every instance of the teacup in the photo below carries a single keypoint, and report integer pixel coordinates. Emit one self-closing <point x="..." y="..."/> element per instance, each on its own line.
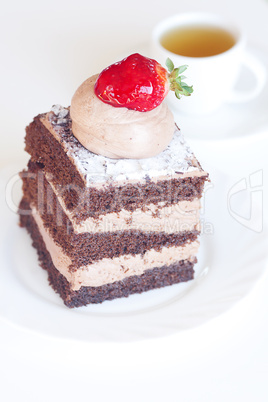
<point x="215" y="53"/>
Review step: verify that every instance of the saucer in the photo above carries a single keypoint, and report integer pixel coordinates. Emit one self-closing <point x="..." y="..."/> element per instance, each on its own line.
<point x="233" y="120"/>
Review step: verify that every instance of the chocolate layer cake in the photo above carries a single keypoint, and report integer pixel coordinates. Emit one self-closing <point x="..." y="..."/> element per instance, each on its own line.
<point x="107" y="228"/>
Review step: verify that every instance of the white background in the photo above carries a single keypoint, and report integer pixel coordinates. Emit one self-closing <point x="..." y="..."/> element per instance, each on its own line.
<point x="47" y="50"/>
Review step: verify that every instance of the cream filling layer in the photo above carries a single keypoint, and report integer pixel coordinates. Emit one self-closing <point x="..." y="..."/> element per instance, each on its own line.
<point x="109" y="270"/>
<point x="151" y="218"/>
<point x="180" y="217"/>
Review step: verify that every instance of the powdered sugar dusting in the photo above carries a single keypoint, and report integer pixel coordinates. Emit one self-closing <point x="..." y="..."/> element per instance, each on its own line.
<point x="177" y="158"/>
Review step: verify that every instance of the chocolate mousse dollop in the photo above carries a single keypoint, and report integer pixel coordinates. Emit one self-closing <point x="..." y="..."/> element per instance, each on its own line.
<point x="119" y="132"/>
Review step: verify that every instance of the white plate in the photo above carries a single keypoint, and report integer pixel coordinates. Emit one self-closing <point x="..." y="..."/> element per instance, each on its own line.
<point x="232" y="259"/>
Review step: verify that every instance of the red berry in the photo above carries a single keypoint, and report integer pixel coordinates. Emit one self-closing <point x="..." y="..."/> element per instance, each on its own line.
<point x="136" y="82"/>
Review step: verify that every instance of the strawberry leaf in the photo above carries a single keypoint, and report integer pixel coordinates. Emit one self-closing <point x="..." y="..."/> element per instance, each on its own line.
<point x="169" y="64"/>
<point x="188" y="89"/>
<point x="176" y="73"/>
<point x="175" y="84"/>
<point x="182" y="68"/>
<point x="177" y="94"/>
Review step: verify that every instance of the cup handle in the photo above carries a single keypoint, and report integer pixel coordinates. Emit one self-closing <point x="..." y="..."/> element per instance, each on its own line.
<point x="259" y="71"/>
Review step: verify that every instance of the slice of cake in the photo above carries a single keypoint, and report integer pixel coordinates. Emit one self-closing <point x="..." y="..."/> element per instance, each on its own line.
<point x="103" y="227"/>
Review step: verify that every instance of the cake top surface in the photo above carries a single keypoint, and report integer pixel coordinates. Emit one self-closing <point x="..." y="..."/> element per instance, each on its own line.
<point x="177" y="158"/>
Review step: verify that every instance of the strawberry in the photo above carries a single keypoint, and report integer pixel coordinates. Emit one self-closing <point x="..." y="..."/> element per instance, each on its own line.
<point x="140" y="83"/>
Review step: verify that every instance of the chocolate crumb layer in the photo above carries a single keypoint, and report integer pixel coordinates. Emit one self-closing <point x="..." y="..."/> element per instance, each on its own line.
<point x="47" y="151"/>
